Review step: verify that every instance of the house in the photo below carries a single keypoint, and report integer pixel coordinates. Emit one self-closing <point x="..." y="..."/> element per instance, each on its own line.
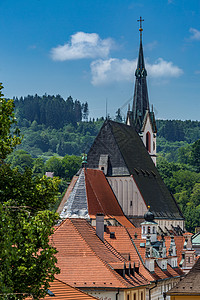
<point x="90" y="263"/>
<point x="188" y="287"/>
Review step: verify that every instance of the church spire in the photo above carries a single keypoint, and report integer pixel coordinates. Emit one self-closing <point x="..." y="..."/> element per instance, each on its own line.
<point x="140" y="99"/>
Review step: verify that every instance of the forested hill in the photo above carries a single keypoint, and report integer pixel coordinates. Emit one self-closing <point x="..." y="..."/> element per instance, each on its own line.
<point x="51" y="111"/>
<point x="52" y="125"/>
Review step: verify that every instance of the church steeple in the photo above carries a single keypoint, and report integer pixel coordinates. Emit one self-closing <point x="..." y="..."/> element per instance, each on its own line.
<point x="140" y="98"/>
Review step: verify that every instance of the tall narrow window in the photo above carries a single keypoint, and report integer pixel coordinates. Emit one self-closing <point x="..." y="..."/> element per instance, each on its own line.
<point x="148" y="141"/>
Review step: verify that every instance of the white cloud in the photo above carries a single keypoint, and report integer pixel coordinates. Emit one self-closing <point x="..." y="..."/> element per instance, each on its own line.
<point x="162" y="68"/>
<point x="115" y="70"/>
<point x="195" y="34"/>
<point x="111" y="70"/>
<point x="83" y="45"/>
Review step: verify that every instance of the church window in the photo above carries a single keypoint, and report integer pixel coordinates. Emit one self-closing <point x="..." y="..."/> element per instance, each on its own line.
<point x="149" y="229"/>
<point x="148" y="141"/>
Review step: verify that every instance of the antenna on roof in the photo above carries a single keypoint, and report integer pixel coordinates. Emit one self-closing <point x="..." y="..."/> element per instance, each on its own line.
<point x="106" y="109"/>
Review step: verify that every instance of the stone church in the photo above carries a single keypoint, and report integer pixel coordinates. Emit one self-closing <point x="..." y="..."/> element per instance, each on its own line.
<point x="126" y="155"/>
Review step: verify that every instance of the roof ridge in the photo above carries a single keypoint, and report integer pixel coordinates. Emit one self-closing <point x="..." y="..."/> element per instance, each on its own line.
<point x="138" y="253"/>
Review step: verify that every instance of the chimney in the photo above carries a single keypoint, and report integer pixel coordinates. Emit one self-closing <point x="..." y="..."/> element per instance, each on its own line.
<point x="100" y="226"/>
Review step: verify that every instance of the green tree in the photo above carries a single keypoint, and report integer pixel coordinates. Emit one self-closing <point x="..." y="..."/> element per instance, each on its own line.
<point x="9" y="138"/>
<point x="27" y="259"/>
<point x="71" y="164"/>
<point x="195" y="155"/>
<point x="20" y="159"/>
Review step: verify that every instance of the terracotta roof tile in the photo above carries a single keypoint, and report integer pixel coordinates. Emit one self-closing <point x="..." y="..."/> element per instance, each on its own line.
<point x="84" y="259"/>
<point x="101" y="198"/>
<point x="64" y="291"/>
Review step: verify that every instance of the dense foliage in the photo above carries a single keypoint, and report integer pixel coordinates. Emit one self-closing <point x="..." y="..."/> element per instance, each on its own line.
<point x="52" y="111"/>
<point x="27" y="259"/>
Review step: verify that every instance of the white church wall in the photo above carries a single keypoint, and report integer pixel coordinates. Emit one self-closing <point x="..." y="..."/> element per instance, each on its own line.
<point x="169" y="223"/>
<point x="128" y="195"/>
<point x="148" y="128"/>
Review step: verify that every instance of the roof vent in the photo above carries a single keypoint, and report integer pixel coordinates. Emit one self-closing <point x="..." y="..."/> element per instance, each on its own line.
<point x="50" y="293"/>
<point x="112" y="235"/>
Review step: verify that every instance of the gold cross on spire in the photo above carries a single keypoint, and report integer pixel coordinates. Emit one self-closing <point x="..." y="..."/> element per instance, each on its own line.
<point x="140" y="20"/>
<point x="140" y="29"/>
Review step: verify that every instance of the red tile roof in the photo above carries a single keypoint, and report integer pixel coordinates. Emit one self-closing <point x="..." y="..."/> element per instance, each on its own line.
<point x="158" y="273"/>
<point x="63" y="291"/>
<point x="101" y="198"/>
<point x="84" y="260"/>
<point x="126" y="247"/>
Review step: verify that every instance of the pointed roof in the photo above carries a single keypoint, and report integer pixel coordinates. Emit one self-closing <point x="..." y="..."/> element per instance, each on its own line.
<point x="188" y="285"/>
<point x="127" y="156"/>
<point x="140" y="98"/>
<point x="92" y="194"/>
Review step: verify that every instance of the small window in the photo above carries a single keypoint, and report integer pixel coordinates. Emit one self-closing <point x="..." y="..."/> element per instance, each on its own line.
<point x="102" y="168"/>
<point x="141" y="296"/>
<point x="154" y="231"/>
<point x="148" y="141"/>
<point x="131" y="203"/>
<point x="149" y="229"/>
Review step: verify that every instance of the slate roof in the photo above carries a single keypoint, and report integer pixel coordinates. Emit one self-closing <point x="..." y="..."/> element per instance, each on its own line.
<point x="190" y="284"/>
<point x="85" y="261"/>
<point x="128" y="156"/>
<point x="92" y="194"/>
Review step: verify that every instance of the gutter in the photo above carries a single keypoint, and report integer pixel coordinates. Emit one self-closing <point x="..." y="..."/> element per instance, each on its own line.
<point x="156" y="282"/>
<point x="117" y="294"/>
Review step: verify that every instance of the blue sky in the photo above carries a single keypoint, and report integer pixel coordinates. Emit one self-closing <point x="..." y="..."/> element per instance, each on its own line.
<point x="88" y="49"/>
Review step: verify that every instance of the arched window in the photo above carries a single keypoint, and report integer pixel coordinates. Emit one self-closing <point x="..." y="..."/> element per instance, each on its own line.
<point x="149" y="229"/>
<point x="148" y="141"/>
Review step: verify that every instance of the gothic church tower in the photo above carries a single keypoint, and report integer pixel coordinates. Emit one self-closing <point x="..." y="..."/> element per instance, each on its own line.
<point x="141" y="117"/>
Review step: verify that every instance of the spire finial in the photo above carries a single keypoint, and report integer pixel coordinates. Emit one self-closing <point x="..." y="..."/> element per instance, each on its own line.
<point x="140" y="29"/>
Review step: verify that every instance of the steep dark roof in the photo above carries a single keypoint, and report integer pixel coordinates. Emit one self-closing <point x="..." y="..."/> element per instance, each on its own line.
<point x="128" y="156"/>
<point x="190" y="284"/>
